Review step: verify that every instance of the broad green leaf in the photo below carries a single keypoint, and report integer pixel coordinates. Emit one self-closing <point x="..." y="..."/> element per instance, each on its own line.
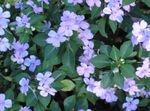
<point x="69" y="103"/>
<point x="144" y="102"/>
<point x="81" y="103"/>
<point x="147" y="2"/>
<point x="31" y="99"/>
<point x="113" y="26"/>
<point x="40" y="39"/>
<point x="127" y="2"/>
<point x="101" y="26"/>
<point x="105" y="49"/>
<point x="126" y="49"/>
<point x="118" y="80"/>
<point x="128" y="71"/>
<point x="115" y="53"/>
<point x="101" y="61"/>
<point x="54" y="106"/>
<point x="39" y="107"/>
<point x="44" y="100"/>
<point x="107" y="80"/>
<point x="68" y="85"/>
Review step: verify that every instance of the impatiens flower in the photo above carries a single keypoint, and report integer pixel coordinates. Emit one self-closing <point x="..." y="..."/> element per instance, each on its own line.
<point x="144" y="71"/>
<point x="85" y="36"/>
<point x="75" y="1"/>
<point x="130" y="87"/>
<point x="24" y="85"/>
<point x="45" y="79"/>
<point x="46" y="89"/>
<point x="32" y="63"/>
<point x="4" y="44"/>
<point x="91" y="3"/>
<point x="25" y="109"/>
<point x="37" y="10"/>
<point x="45" y="1"/>
<point x="131" y="104"/>
<point x="85" y="70"/>
<point x="55" y="38"/>
<point x="3" y="20"/>
<point x="23" y="21"/>
<point x="4" y="103"/>
<point x="20" y="52"/>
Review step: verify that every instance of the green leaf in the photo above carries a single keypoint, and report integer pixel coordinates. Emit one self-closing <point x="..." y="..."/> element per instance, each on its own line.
<point x="144" y="102"/>
<point x="126" y="49"/>
<point x="95" y="12"/>
<point x="101" y="61"/>
<point x="31" y="100"/>
<point x="115" y="53"/>
<point x="40" y="39"/>
<point x="101" y="26"/>
<point x="118" y="79"/>
<point x="69" y="103"/>
<point x="147" y="2"/>
<point x="39" y="107"/>
<point x="105" y="49"/>
<point x="113" y="26"/>
<point x="44" y="100"/>
<point x="81" y="103"/>
<point x="127" y="2"/>
<point x="107" y="80"/>
<point x="68" y="85"/>
<point x="54" y="106"/>
<point x="128" y="71"/>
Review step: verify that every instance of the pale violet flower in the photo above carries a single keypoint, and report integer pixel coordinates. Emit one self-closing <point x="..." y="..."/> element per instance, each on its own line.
<point x="84" y="110"/>
<point x="75" y="1"/>
<point x="32" y="63"/>
<point x="24" y="85"/>
<point x="92" y="3"/>
<point x="130" y="87"/>
<point x="4" y="103"/>
<point x="131" y="104"/>
<point x="85" y="70"/>
<point x="25" y="109"/>
<point x="3" y="20"/>
<point x="23" y="21"/>
<point x="55" y="38"/>
<point x="4" y="44"/>
<point x="45" y="79"/>
<point x="45" y="90"/>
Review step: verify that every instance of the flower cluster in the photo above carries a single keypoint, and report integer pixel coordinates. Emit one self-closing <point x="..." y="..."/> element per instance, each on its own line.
<point x="4" y="103"/>
<point x="144" y="70"/>
<point x="4" y="20"/>
<point x="140" y="34"/>
<point x="96" y="88"/>
<point x="131" y="104"/>
<point x="45" y="81"/>
<point x="24" y="85"/>
<point x="20" y="56"/>
<point x="115" y="10"/>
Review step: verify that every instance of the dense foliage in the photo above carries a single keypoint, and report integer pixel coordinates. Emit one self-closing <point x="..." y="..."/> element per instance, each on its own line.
<point x="74" y="55"/>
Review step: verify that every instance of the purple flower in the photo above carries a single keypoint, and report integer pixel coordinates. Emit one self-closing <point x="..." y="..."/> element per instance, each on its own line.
<point x="91" y="3"/>
<point x="23" y="21"/>
<point x="131" y="104"/>
<point x="85" y="70"/>
<point x="144" y="71"/>
<point x="20" y="51"/>
<point x="25" y="109"/>
<point x="46" y="89"/>
<point x="109" y="95"/>
<point x="45" y="79"/>
<point x="24" y="83"/>
<point x="75" y="2"/>
<point x="84" y="110"/>
<point x="55" y="38"/>
<point x="130" y="87"/>
<point x="85" y="36"/>
<point x="32" y="63"/>
<point x="45" y="1"/>
<point x="4" y="103"/>
<point x="3" y="20"/>
<point x="37" y="9"/>
<point x="19" y="5"/>
<point x="81" y="23"/>
<point x="4" y="44"/>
